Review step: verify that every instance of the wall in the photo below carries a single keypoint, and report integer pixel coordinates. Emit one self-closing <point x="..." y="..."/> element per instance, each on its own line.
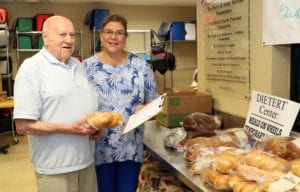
<point x="269" y="65"/>
<point x="139" y="17"/>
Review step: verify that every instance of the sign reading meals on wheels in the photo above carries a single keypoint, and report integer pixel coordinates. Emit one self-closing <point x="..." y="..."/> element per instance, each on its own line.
<point x="270" y="115"/>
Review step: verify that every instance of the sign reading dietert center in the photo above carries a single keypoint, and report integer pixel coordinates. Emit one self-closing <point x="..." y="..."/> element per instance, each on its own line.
<point x="270" y="115"/>
<point x="226" y="30"/>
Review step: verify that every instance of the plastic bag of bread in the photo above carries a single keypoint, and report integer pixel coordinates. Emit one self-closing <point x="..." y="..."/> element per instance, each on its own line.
<point x="221" y="159"/>
<point x="265" y="161"/>
<point x="215" y="179"/>
<point x="200" y="124"/>
<point x="240" y="136"/>
<point x="262" y="167"/>
<point x="229" y="138"/>
<point x="248" y="186"/>
<point x="285" y="147"/>
<point x="220" y="181"/>
<point x="290" y="182"/>
<point x="104" y="119"/>
<point x="174" y="139"/>
<point x="295" y="167"/>
<point x="226" y="161"/>
<point x="199" y="146"/>
<point x="203" y="162"/>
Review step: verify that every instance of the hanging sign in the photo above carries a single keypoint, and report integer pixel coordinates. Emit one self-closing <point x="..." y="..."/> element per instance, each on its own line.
<point x="270" y="115"/>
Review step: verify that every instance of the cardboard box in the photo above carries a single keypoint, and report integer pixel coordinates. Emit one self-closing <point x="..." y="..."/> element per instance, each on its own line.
<point x="185" y="89"/>
<point x="178" y="105"/>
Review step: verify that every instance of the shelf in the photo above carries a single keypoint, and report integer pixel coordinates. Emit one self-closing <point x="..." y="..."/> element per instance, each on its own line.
<point x="34" y="34"/>
<point x="28" y="50"/>
<point x="6" y="76"/>
<point x="6" y="62"/>
<point x="181" y="41"/>
<point x="29" y="32"/>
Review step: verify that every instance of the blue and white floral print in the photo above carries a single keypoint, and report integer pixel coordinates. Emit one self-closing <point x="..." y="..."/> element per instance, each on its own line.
<point x="121" y="89"/>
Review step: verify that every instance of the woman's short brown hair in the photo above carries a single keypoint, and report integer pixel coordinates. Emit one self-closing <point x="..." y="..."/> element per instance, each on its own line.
<point x="117" y="18"/>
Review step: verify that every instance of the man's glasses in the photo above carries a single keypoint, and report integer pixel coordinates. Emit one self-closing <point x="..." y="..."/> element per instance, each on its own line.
<point x="110" y="33"/>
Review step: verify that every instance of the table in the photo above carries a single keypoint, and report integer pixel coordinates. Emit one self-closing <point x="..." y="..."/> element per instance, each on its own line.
<point x="154" y="143"/>
<point x="9" y="104"/>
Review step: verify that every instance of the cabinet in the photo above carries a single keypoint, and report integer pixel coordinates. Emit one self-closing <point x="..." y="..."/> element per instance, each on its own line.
<point x="5" y="60"/>
<point x="31" y="42"/>
<point x="138" y="41"/>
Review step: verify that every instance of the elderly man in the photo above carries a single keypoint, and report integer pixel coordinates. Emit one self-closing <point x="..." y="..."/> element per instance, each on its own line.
<point x="52" y="96"/>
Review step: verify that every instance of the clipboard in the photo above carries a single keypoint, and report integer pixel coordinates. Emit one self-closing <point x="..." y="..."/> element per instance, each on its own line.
<point x="144" y="114"/>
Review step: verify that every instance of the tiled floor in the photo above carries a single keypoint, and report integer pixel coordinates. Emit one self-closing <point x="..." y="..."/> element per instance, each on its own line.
<point x="16" y="171"/>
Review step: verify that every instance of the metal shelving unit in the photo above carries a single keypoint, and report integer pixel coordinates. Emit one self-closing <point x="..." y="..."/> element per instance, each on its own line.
<point x="5" y="67"/>
<point x="35" y="34"/>
<point x="170" y="44"/>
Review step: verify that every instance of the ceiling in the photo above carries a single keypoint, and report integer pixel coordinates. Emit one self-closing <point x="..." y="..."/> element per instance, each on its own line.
<point x="179" y="3"/>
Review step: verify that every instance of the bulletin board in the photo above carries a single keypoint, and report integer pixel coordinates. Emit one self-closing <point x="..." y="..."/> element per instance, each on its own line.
<point x="281" y="22"/>
<point x="227" y="39"/>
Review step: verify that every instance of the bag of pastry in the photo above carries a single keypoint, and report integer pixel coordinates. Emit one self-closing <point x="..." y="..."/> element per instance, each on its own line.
<point x="201" y="125"/>
<point x="104" y="119"/>
<point x="285" y="147"/>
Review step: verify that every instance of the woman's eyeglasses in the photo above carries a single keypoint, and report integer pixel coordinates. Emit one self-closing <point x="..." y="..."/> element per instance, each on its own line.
<point x="110" y="33"/>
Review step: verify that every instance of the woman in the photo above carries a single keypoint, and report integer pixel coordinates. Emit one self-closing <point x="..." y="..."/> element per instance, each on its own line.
<point x="124" y="83"/>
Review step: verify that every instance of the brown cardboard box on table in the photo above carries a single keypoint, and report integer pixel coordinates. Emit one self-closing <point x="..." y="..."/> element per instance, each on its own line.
<point x="178" y="105"/>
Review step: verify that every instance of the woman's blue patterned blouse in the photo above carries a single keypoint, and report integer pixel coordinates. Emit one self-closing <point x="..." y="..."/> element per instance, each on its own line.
<point x="121" y="89"/>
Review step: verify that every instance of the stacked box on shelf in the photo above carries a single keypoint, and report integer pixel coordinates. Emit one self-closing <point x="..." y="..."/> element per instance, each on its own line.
<point x="178" y="30"/>
<point x="40" y="42"/>
<point x="95" y="17"/>
<point x="24" y="42"/>
<point x="25" y="24"/>
<point x="39" y="20"/>
<point x="190" y="31"/>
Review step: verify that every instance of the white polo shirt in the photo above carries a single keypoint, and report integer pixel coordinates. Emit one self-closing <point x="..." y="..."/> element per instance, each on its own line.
<point x="48" y="90"/>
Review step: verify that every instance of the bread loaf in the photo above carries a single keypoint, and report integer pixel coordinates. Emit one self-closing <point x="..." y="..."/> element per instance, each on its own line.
<point x="100" y="119"/>
<point x="230" y="138"/>
<point x="248" y="187"/>
<point x="215" y="179"/>
<point x="256" y="174"/>
<point x="201" y="124"/>
<point x="227" y="160"/>
<point x="295" y="167"/>
<point x="265" y="161"/>
<point x="284" y="147"/>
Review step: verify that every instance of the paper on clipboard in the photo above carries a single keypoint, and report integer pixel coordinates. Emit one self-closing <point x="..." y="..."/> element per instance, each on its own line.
<point x="144" y="114"/>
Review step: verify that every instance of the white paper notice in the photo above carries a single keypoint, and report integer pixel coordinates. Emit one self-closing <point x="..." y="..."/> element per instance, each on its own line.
<point x="270" y="115"/>
<point x="144" y="114"/>
<point x="281" y="22"/>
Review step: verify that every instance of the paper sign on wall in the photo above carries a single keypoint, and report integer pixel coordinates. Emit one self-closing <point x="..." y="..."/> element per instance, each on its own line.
<point x="281" y="22"/>
<point x="270" y="115"/>
<point x="144" y="114"/>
